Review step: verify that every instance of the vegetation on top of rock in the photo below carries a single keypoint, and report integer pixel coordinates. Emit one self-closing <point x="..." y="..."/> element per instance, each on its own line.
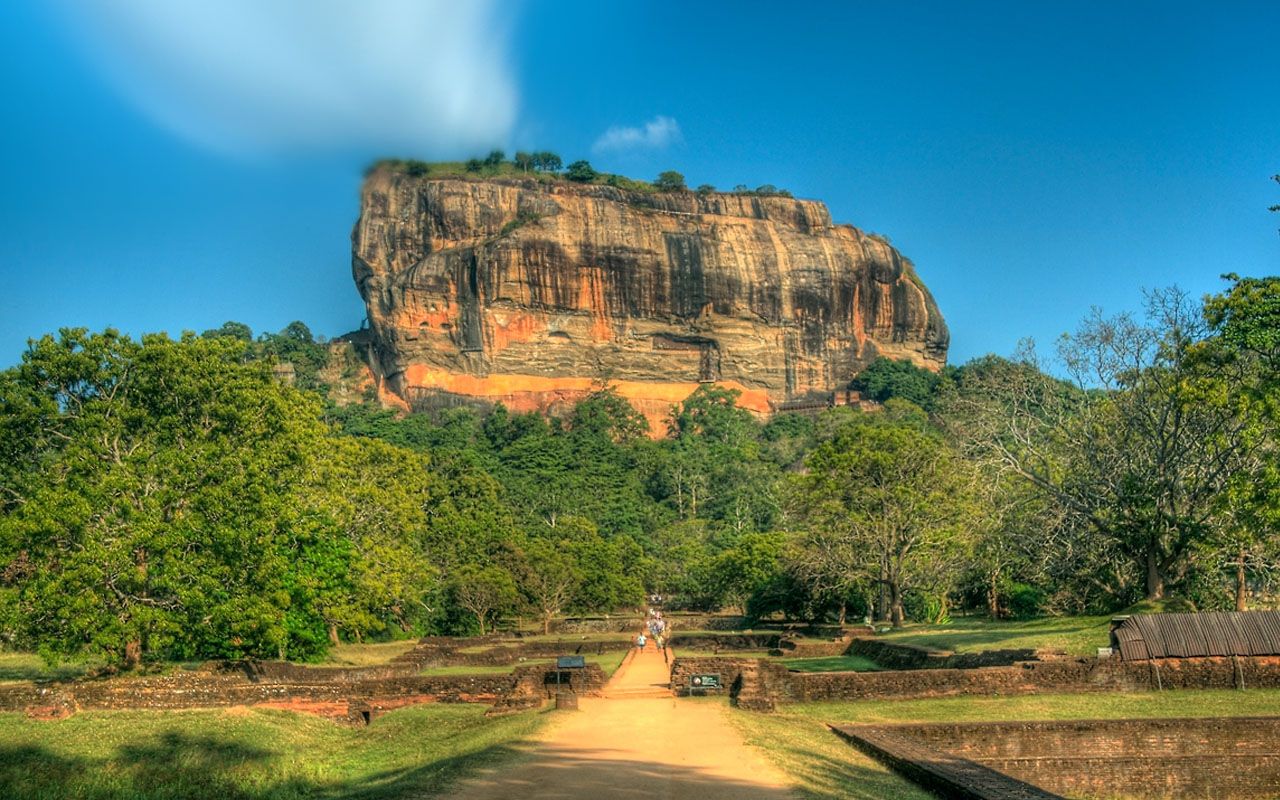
<point x="547" y="167"/>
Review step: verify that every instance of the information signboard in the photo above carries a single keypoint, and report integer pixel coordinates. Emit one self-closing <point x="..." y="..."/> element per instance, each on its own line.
<point x="704" y="681"/>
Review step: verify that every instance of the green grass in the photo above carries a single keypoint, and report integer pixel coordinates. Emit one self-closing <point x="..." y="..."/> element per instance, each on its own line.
<point x="832" y="664"/>
<point x="22" y="666"/>
<point x="1073" y="635"/>
<point x="822" y="766"/>
<point x="1102" y="705"/>
<point x="367" y="655"/>
<point x="250" y="754"/>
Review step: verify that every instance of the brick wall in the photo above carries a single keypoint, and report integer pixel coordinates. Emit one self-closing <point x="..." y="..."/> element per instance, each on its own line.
<point x="443" y="651"/>
<point x="218" y="687"/>
<point x="1225" y="758"/>
<point x="1064" y="675"/>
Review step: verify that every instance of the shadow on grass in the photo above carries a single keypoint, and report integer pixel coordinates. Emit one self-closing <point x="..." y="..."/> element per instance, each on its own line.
<point x="177" y="766"/>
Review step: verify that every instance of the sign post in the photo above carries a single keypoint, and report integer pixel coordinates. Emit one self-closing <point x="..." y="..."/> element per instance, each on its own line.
<point x="565" y="698"/>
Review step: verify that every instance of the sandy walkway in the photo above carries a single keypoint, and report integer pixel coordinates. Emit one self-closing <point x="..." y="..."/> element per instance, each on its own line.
<point x="633" y="744"/>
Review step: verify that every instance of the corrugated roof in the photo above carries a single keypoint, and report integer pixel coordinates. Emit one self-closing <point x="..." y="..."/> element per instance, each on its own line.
<point x="1234" y="633"/>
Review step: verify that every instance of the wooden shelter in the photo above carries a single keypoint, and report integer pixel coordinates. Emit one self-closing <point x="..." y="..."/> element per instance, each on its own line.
<point x="1234" y="633"/>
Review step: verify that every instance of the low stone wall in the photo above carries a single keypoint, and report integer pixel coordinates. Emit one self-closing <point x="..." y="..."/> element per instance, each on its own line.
<point x="941" y="773"/>
<point x="716" y="642"/>
<point x="221" y="686"/>
<point x="594" y="625"/>
<point x="729" y="670"/>
<point x="706" y="622"/>
<point x="445" y="651"/>
<point x="1142" y="758"/>
<point x="800" y="646"/>
<point x="319" y="691"/>
<point x="1066" y="675"/>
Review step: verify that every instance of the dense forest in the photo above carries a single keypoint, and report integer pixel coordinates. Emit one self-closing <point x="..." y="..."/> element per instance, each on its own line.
<point x="178" y="499"/>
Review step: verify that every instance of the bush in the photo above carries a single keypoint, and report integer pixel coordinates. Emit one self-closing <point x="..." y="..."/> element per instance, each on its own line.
<point x="580" y="172"/>
<point x="1025" y="601"/>
<point x="670" y="181"/>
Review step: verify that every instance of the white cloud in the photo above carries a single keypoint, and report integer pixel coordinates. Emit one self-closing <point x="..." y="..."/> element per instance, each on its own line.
<point x="656" y="134"/>
<point x="410" y="77"/>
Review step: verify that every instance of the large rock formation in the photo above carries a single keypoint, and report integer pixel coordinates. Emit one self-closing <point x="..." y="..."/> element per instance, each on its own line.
<point x="533" y="293"/>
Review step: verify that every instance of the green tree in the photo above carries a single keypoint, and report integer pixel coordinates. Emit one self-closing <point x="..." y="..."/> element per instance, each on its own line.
<point x="362" y="508"/>
<point x="581" y="172"/>
<point x="153" y="515"/>
<point x="524" y="161"/>
<point x="231" y="330"/>
<point x="891" y="502"/>
<point x="885" y="378"/>
<point x="746" y="567"/>
<point x="544" y="161"/>
<point x="486" y="592"/>
<point x="550" y="580"/>
<point x="1141" y="454"/>
<point x="495" y="158"/>
<point x="669" y="181"/>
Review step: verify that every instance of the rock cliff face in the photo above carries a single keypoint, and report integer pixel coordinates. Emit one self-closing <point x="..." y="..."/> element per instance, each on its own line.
<point x="533" y="294"/>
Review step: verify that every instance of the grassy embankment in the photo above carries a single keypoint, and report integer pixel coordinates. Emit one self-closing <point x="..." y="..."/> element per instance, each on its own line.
<point x="1076" y="636"/>
<point x="823" y="766"/>
<point x="251" y="754"/>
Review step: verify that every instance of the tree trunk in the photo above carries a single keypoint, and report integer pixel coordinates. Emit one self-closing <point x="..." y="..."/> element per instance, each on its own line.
<point x="480" y="619"/>
<point x="993" y="599"/>
<point x="897" y="613"/>
<point x="333" y="635"/>
<point x="1241" y="584"/>
<point x="844" y="613"/>
<point x="882" y="599"/>
<point x="546" y="624"/>
<point x="132" y="653"/>
<point x="1155" y="581"/>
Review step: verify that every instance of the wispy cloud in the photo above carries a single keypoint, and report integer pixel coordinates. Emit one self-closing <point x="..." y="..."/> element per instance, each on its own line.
<point x="656" y="134"/>
<point x="411" y="76"/>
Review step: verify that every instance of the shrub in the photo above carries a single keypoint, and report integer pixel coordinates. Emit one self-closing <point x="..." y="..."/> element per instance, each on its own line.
<point x="670" y="181"/>
<point x="580" y="172"/>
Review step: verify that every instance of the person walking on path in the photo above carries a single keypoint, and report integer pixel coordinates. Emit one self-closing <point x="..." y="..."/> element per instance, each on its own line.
<point x="640" y="641"/>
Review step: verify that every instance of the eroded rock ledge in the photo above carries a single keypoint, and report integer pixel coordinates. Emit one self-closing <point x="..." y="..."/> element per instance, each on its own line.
<point x="533" y="293"/>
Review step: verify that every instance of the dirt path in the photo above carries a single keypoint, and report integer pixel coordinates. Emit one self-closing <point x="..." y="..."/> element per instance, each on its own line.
<point x="635" y="742"/>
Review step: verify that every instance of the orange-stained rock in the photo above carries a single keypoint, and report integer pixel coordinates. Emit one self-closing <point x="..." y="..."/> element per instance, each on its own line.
<point x="533" y="294"/>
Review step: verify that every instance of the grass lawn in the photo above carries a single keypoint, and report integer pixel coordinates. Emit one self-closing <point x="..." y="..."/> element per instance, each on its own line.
<point x="822" y="766"/>
<point x="832" y="664"/>
<point x="1108" y="705"/>
<point x="367" y="655"/>
<point x="250" y="754"/>
<point x="797" y="740"/>
<point x="22" y="666"/>
<point x="1074" y="635"/>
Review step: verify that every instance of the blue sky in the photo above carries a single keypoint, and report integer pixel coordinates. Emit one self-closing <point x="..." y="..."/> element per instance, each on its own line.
<point x="171" y="165"/>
